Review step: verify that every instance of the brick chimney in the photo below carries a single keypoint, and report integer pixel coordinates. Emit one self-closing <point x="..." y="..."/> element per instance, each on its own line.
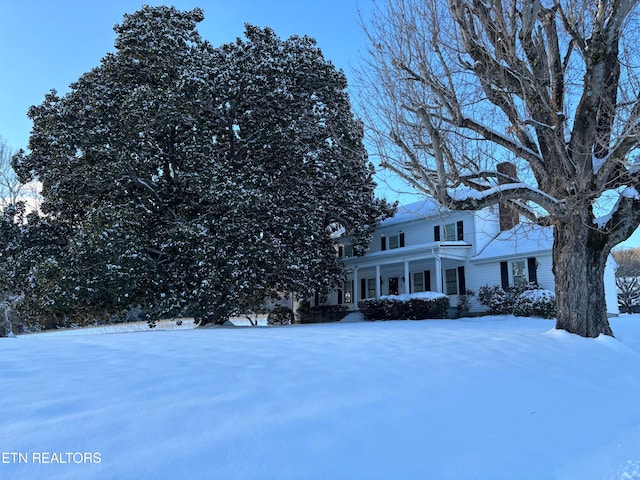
<point x="509" y="217"/>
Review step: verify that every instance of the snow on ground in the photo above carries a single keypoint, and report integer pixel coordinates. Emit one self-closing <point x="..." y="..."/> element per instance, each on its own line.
<point x="485" y="398"/>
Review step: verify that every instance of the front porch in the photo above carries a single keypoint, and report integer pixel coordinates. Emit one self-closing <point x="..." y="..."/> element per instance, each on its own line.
<point x="437" y="267"/>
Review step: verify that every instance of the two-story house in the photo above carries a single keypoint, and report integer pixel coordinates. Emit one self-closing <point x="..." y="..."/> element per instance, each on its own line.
<point x="426" y="247"/>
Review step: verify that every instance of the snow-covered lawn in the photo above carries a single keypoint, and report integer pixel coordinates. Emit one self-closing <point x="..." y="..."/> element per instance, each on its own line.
<point x="487" y="398"/>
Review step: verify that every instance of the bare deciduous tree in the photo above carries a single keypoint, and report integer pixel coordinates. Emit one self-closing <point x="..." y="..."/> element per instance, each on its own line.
<point x="455" y="87"/>
<point x="12" y="189"/>
<point x="10" y="185"/>
<point x="628" y="277"/>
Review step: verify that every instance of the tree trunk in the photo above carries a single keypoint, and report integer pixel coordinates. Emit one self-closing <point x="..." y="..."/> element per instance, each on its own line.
<point x="579" y="260"/>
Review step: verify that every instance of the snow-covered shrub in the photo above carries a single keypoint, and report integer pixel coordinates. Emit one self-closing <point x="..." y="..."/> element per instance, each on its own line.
<point x="494" y="298"/>
<point x="373" y="308"/>
<point x="536" y="303"/>
<point x="280" y="316"/>
<point x="499" y="301"/>
<point x="464" y="301"/>
<point x="416" y="306"/>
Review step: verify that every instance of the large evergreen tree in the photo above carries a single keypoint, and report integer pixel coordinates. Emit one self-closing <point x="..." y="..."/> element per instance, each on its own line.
<point x="198" y="180"/>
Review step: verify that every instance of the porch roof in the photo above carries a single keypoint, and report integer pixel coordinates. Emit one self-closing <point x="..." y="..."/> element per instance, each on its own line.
<point x="456" y="250"/>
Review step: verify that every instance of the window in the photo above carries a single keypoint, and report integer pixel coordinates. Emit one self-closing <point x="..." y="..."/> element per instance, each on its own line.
<point x="418" y="282"/>
<point x="367" y="288"/>
<point x="518" y="273"/>
<point x="421" y="281"/>
<point x="450" y="232"/>
<point x="393" y="242"/>
<point x="451" y="281"/>
<point x="371" y="288"/>
<point x="345" y="251"/>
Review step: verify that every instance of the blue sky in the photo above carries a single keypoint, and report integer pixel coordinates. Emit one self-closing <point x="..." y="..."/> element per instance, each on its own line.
<point x="50" y="43"/>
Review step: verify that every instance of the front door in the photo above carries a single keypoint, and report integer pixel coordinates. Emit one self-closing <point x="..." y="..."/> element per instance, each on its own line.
<point x="393" y="286"/>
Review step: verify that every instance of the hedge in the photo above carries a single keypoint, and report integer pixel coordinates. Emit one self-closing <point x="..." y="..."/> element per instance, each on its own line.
<point x="536" y="303"/>
<point x="415" y="306"/>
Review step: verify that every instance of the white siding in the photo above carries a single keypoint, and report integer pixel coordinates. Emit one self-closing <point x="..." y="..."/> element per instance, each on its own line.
<point x="486" y="227"/>
<point x="488" y="273"/>
<point x="610" y="290"/>
<point x="546" y="279"/>
<point x="420" y="231"/>
<point x="484" y="247"/>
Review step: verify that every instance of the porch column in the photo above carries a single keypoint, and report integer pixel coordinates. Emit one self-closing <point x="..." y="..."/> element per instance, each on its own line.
<point x="406" y="277"/>
<point x="378" y="292"/>
<point x="356" y="288"/>
<point x="438" y="274"/>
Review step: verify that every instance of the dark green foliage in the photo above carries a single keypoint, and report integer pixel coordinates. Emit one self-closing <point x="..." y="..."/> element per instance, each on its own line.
<point x="501" y="302"/>
<point x="536" y="303"/>
<point x="196" y="181"/>
<point x="389" y="308"/>
<point x="495" y="299"/>
<point x="464" y="301"/>
<point x="32" y="246"/>
<point x="321" y="313"/>
<point x="280" y="316"/>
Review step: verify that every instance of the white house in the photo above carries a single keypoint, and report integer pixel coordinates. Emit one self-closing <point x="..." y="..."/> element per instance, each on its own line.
<point x="426" y="247"/>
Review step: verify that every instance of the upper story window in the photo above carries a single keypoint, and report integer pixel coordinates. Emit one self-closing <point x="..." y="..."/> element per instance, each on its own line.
<point x="392" y="242"/>
<point x="450" y="233"/>
<point x="345" y="251"/>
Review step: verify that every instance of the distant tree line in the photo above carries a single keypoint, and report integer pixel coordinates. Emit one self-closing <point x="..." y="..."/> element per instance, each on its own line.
<point x="628" y="278"/>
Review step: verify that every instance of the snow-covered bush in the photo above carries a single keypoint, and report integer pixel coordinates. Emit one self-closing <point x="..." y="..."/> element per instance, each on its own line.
<point x="499" y="301"/>
<point x="416" y="306"/>
<point x="464" y="301"/>
<point x="495" y="299"/>
<point x="280" y="316"/>
<point x="536" y="303"/>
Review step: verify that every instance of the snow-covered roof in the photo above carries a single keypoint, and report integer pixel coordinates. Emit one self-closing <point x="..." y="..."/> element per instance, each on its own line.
<point x="523" y="239"/>
<point x="425" y="208"/>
